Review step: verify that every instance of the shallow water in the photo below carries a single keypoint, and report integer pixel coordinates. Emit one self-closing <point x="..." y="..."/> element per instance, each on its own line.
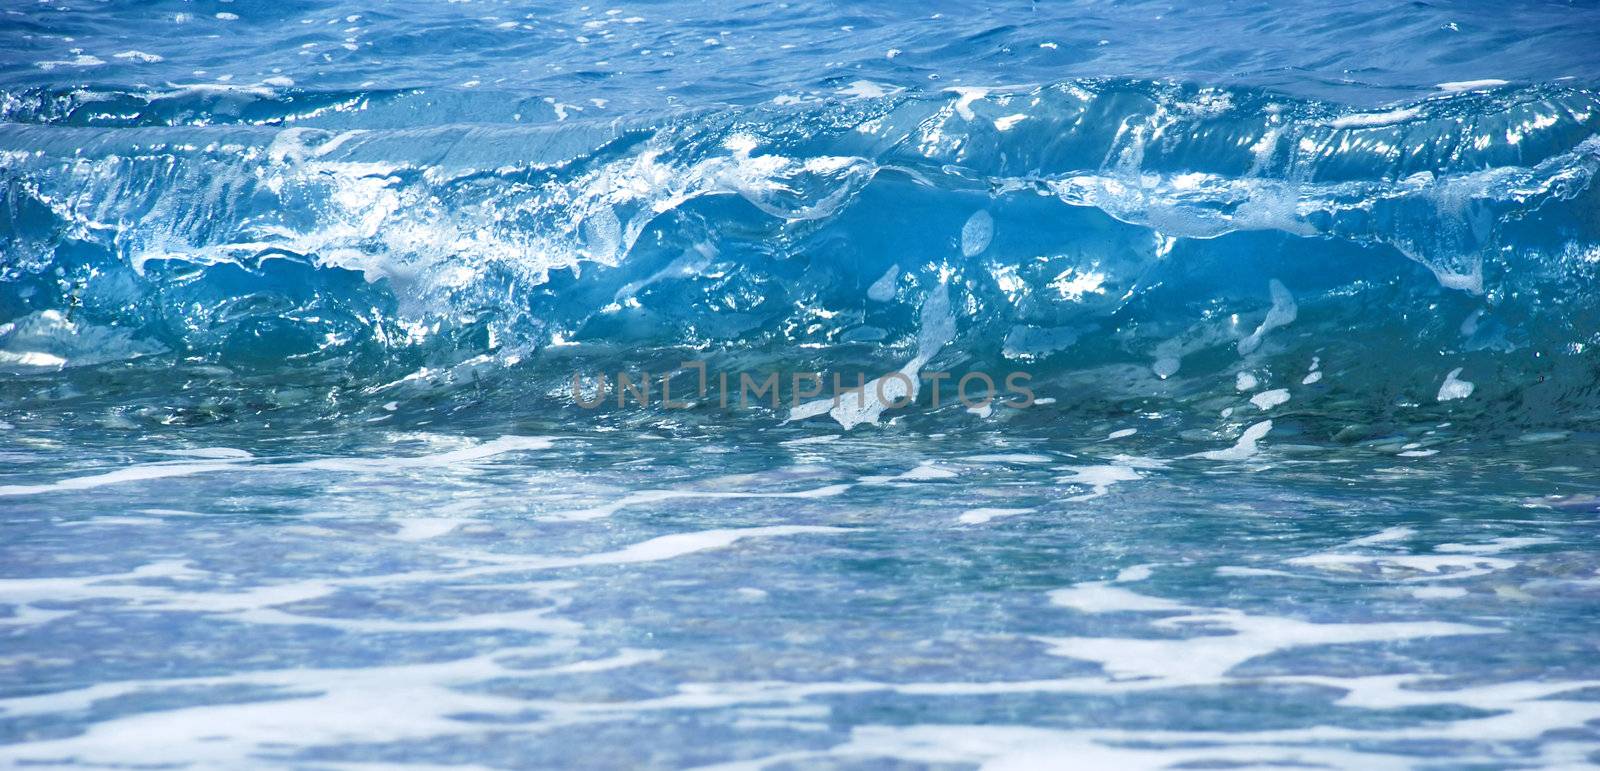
<point x="584" y="601"/>
<point x="292" y="473"/>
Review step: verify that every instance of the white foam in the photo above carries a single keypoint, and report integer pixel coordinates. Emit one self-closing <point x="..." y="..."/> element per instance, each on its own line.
<point x="1134" y="573"/>
<point x="659" y="496"/>
<point x="1389" y="535"/>
<point x="263" y="604"/>
<point x="27" y="615"/>
<point x="81" y="60"/>
<point x="679" y="544"/>
<point x="1008" y="457"/>
<point x="980" y="516"/>
<point x="229" y="460"/>
<point x="965" y="96"/>
<point x="1103" y="597"/>
<point x="424" y="528"/>
<point x="1283" y="312"/>
<point x="1007" y="122"/>
<point x="1266" y="400"/>
<point x="977" y="233"/>
<point x="867" y="404"/>
<point x="1366" y="119"/>
<point x="49" y="339"/>
<point x="926" y="471"/>
<point x="694" y="261"/>
<point x="1029" y="748"/>
<point x="866" y="89"/>
<point x="1471" y="85"/>
<point x="1194" y="647"/>
<point x="1453" y="387"/>
<point x="1098" y="479"/>
<point x="1242" y="449"/>
<point x="536" y="620"/>
<point x="882" y="290"/>
<point x="1209" y="658"/>
<point x="1407" y="567"/>
<point x="214" y="453"/>
<point x="139" y="56"/>
<point x="316" y="707"/>
<point x="1247" y="572"/>
<point x="1496" y="545"/>
<point x="120" y="476"/>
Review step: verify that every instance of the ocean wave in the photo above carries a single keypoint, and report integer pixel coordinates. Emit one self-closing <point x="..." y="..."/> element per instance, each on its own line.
<point x="1083" y="228"/>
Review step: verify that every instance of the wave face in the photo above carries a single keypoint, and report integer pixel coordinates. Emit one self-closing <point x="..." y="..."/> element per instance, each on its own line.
<point x="1119" y="240"/>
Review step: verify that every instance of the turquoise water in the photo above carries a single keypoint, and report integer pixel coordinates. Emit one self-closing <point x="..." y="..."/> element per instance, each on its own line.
<point x="1287" y="456"/>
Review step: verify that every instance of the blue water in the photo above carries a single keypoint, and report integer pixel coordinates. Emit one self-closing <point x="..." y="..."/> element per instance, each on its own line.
<point x="294" y="474"/>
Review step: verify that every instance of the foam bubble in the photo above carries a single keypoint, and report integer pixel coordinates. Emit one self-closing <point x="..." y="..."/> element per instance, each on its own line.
<point x="1453" y="387"/>
<point x="977" y="233"/>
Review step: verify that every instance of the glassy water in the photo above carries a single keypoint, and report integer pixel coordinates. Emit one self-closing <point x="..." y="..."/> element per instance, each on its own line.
<point x="1286" y="454"/>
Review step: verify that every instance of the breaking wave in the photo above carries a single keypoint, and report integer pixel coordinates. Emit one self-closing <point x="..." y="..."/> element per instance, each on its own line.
<point x="1135" y="245"/>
